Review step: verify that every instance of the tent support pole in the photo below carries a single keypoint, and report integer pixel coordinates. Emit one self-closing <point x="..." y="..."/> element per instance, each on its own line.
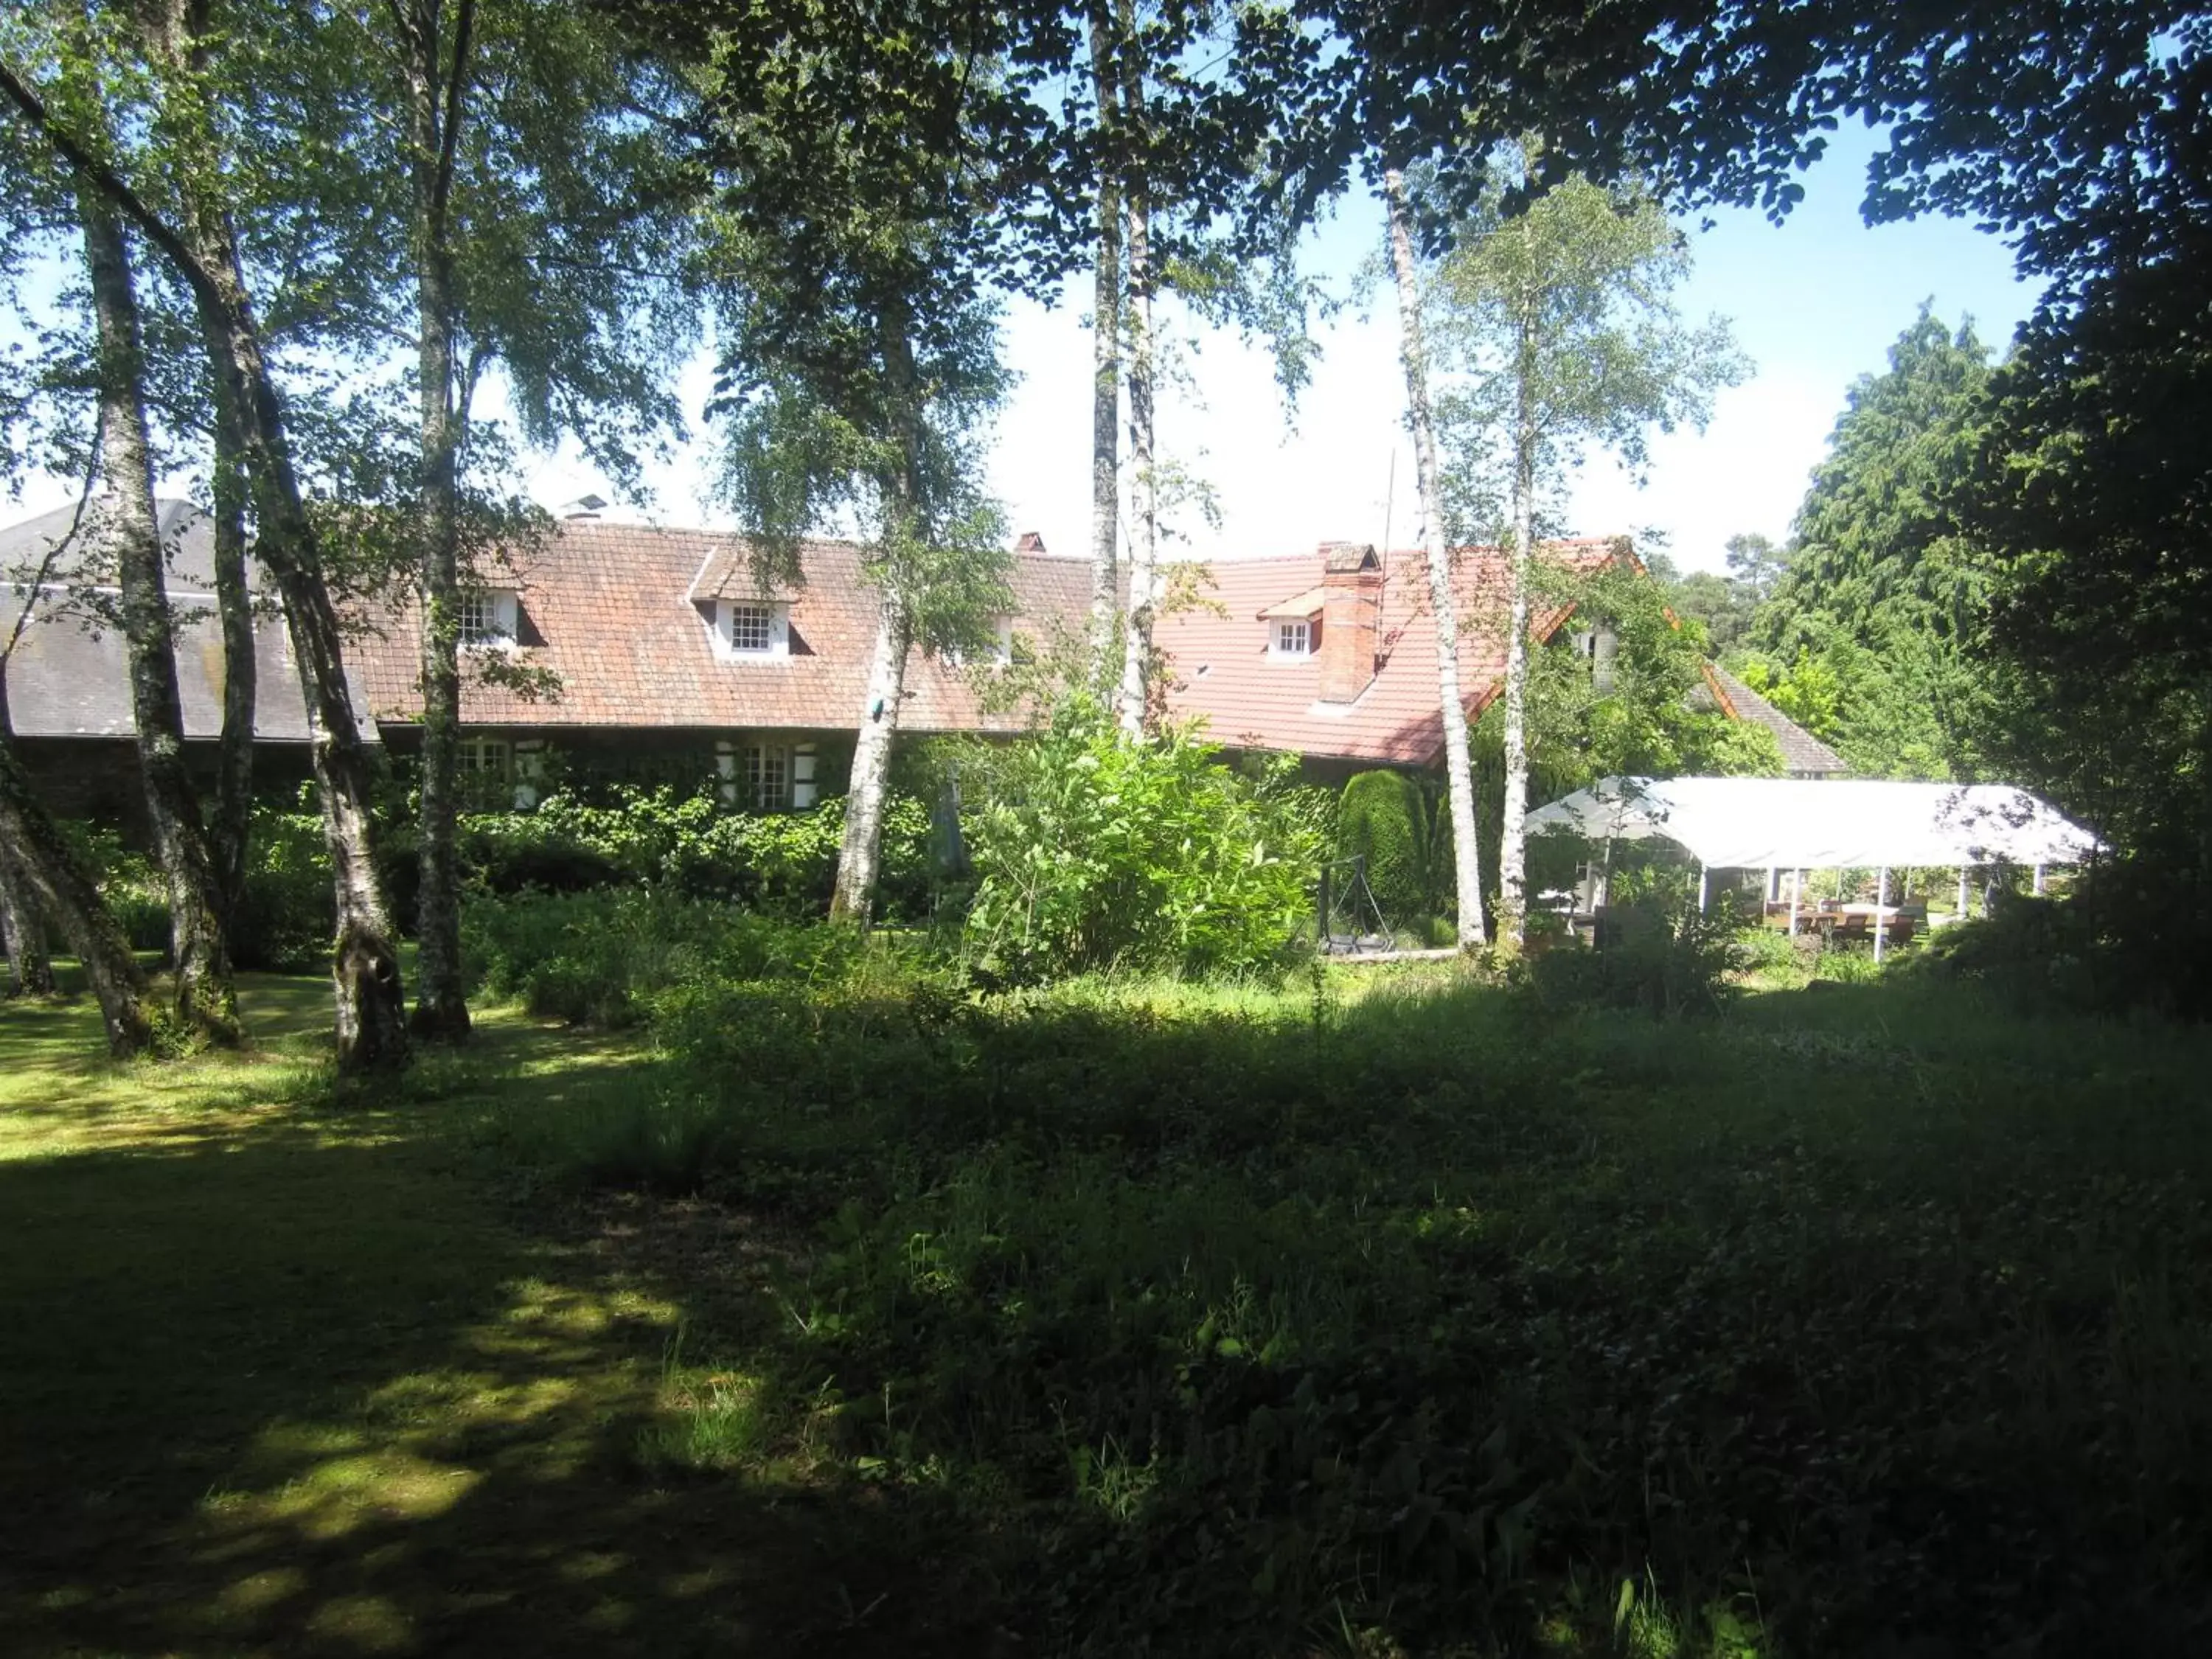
<point x="2039" y="881"/>
<point x="1881" y="903"/>
<point x="1701" y="889"/>
<point x="1796" y="898"/>
<point x="1962" y="892"/>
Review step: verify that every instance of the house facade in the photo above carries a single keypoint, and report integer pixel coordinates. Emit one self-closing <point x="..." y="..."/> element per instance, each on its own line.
<point x="67" y="675"/>
<point x="663" y="656"/>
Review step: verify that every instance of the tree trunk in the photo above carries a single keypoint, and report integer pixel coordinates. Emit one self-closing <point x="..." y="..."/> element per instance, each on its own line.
<point x="441" y="1010"/>
<point x="1459" y="771"/>
<point x="858" y="855"/>
<point x="371" y="1024"/>
<point x="1513" y="841"/>
<point x="1105" y="344"/>
<point x="230" y="822"/>
<point x="45" y="870"/>
<point x="206" y="1000"/>
<point x="30" y="970"/>
<point x="1144" y="542"/>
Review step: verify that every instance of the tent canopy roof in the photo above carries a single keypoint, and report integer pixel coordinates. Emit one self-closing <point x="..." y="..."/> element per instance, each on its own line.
<point x="1822" y="823"/>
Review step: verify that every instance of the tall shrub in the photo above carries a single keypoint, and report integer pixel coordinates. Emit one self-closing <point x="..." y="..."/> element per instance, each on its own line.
<point x="1094" y="851"/>
<point x="1382" y="820"/>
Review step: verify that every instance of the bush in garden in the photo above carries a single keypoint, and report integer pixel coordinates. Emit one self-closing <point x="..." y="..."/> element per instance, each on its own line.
<point x="784" y="862"/>
<point x="1094" y="852"/>
<point x="1668" y="959"/>
<point x="602" y="958"/>
<point x="287" y="916"/>
<point x="1383" y="820"/>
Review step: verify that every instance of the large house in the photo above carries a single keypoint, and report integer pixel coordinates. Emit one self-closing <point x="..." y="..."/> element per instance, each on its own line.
<point x="663" y="655"/>
<point x="68" y="683"/>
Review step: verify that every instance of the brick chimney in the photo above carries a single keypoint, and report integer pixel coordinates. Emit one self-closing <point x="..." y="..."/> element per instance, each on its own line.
<point x="1030" y="542"/>
<point x="1352" y="608"/>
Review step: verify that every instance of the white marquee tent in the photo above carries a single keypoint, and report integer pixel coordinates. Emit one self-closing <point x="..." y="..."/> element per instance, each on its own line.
<point x="1749" y="823"/>
<point x="1792" y="824"/>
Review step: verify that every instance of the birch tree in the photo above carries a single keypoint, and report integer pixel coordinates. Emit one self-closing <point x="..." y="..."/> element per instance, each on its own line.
<point x="1144" y="530"/>
<point x="206" y="1002"/>
<point x="861" y="355"/>
<point x="1443" y="605"/>
<point x="1105" y="32"/>
<point x="201" y="244"/>
<point x="1560" y="322"/>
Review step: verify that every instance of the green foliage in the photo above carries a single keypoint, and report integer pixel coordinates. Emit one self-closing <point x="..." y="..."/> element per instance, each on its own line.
<point x="603" y="958"/>
<point x="1558" y="332"/>
<point x="1094" y="852"/>
<point x="287" y="916"/>
<point x="1872" y="628"/>
<point x="1641" y="719"/>
<point x="1409" y="1310"/>
<point x="689" y="844"/>
<point x="1383" y="820"/>
<point x="1666" y="959"/>
<point x="1726" y="606"/>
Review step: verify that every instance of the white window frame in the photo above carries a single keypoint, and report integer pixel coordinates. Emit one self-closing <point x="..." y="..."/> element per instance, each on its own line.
<point x="775" y="636"/>
<point x="489" y="617"/>
<point x="1293" y="639"/>
<point x="768" y="780"/>
<point x="477" y="755"/>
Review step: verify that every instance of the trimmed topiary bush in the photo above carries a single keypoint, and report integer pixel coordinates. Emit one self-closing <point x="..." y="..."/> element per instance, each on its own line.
<point x="1383" y="820"/>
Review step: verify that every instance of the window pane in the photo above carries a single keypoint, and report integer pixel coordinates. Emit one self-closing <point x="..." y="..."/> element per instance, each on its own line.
<point x="750" y="628"/>
<point x="768" y="776"/>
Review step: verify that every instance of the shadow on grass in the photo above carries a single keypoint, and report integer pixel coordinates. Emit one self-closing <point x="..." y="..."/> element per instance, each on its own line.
<point x="277" y="1382"/>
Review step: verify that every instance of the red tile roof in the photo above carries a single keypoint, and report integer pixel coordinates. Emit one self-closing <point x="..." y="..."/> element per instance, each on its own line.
<point x="1223" y="671"/>
<point x="609" y="610"/>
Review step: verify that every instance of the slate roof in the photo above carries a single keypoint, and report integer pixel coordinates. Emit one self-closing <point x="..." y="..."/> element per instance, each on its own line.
<point x="1249" y="699"/>
<point x="69" y="676"/>
<point x="622" y="616"/>
<point x="1803" y="755"/>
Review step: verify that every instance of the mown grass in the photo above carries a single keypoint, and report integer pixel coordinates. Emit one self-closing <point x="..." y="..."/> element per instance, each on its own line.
<point x="1375" y="1316"/>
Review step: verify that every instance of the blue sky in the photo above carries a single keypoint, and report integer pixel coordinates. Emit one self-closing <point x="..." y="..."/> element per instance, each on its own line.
<point x="1815" y="303"/>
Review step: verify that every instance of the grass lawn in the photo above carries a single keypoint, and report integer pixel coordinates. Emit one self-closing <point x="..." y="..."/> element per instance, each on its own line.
<point x="1388" y="1317"/>
<point x="279" y="1377"/>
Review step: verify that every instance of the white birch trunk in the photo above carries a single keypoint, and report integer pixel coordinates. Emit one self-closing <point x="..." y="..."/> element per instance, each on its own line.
<point x="206" y="1003"/>
<point x="1513" y="840"/>
<point x="1459" y="770"/>
<point x="1144" y="541"/>
<point x="860" y="853"/>
<point x="1106" y="348"/>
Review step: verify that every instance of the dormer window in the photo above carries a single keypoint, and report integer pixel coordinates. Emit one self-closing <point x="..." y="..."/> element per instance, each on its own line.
<point x="753" y="629"/>
<point x="1293" y="636"/>
<point x="489" y="615"/>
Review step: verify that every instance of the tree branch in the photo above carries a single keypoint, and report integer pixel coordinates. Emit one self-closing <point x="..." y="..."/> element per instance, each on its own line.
<point x="449" y="139"/>
<point x="104" y="180"/>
